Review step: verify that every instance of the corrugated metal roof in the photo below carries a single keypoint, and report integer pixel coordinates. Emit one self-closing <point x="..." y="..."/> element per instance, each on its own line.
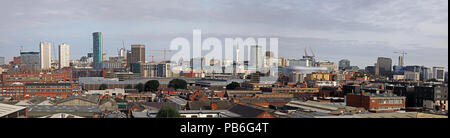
<point x="6" y="109"/>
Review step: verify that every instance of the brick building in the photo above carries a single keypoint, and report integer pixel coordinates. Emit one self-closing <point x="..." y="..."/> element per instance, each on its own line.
<point x="376" y="103"/>
<point x="25" y="91"/>
<point x="25" y="77"/>
<point x="12" y="90"/>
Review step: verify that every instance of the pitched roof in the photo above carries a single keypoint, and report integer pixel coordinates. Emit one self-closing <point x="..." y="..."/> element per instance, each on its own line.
<point x="6" y="109"/>
<point x="106" y="99"/>
<point x="89" y="98"/>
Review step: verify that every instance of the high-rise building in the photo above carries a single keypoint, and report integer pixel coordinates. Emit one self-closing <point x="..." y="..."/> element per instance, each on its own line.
<point x="2" y="60"/>
<point x="98" y="49"/>
<point x="163" y="70"/>
<point x="344" y="64"/>
<point x="64" y="55"/>
<point x="400" y="61"/>
<point x="138" y="53"/>
<point x="128" y="59"/>
<point x="439" y="73"/>
<point x="256" y="57"/>
<point x="46" y="55"/>
<point x="384" y="66"/>
<point x="30" y="60"/>
<point x="425" y="73"/>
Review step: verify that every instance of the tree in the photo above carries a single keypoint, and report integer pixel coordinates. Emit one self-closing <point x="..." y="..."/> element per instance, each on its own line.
<point x="152" y="85"/>
<point x="128" y="87"/>
<point x="233" y="85"/>
<point x="178" y="84"/>
<point x="167" y="111"/>
<point x="140" y="87"/>
<point x="103" y="87"/>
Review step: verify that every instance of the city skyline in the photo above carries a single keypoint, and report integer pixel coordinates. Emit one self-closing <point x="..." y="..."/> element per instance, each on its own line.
<point x="417" y="27"/>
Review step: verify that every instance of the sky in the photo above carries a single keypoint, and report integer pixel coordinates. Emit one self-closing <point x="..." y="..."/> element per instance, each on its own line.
<point x="358" y="30"/>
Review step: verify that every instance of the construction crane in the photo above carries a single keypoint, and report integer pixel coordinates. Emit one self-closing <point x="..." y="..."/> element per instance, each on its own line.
<point x="164" y="51"/>
<point x="306" y="53"/>
<point x="153" y="57"/>
<point x="402" y="52"/>
<point x="401" y="58"/>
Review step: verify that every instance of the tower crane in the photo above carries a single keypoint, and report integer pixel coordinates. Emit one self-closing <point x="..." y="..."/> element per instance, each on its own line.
<point x="164" y="51"/>
<point x="153" y="57"/>
<point x="401" y="58"/>
<point x="402" y="52"/>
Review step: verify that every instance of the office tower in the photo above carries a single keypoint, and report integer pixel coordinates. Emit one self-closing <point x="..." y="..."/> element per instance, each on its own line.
<point x="2" y="60"/>
<point x="64" y="55"/>
<point x="439" y="73"/>
<point x="98" y="49"/>
<point x="46" y="55"/>
<point x="137" y="53"/>
<point x="344" y="64"/>
<point x="31" y="60"/>
<point x="384" y="66"/>
<point x="256" y="56"/>
<point x="128" y="59"/>
<point x="400" y="61"/>
<point x="425" y="73"/>
<point x="163" y="70"/>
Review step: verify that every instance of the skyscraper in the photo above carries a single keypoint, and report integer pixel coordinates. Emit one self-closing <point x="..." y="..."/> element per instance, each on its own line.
<point x="138" y="53"/>
<point x="46" y="55"/>
<point x="383" y="66"/>
<point x="30" y="60"/>
<point x="98" y="49"/>
<point x="344" y="64"/>
<point x="2" y="60"/>
<point x="64" y="55"/>
<point x="400" y="61"/>
<point x="256" y="57"/>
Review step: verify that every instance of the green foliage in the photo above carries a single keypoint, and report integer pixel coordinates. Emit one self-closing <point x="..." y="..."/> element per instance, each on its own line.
<point x="167" y="111"/>
<point x="178" y="84"/>
<point x="103" y="87"/>
<point x="152" y="85"/>
<point x="233" y="86"/>
<point x="140" y="87"/>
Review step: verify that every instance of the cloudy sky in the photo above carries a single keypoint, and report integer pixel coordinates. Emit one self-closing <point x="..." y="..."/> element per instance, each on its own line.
<point x="358" y="30"/>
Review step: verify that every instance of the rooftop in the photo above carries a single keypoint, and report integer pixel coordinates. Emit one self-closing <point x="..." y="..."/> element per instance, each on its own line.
<point x="6" y="109"/>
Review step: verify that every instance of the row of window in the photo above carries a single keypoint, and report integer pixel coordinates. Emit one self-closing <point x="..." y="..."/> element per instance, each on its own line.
<point x="50" y="90"/>
<point x="389" y="107"/>
<point x="68" y="86"/>
<point x="390" y="101"/>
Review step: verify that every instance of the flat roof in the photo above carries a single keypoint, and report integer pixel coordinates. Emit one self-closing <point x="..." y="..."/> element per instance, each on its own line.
<point x="6" y="109"/>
